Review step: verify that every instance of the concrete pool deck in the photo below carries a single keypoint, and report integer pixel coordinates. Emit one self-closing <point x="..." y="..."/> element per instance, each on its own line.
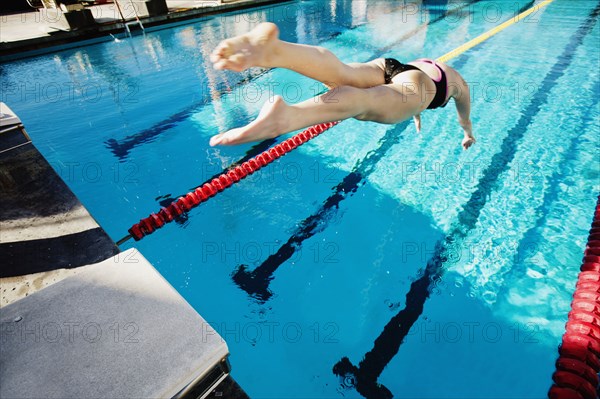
<point x="117" y="329"/>
<point x="43" y="226"/>
<point x="70" y="297"/>
<point x="33" y="33"/>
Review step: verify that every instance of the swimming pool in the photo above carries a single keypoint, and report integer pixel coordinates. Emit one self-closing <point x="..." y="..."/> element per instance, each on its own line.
<point x="374" y="258"/>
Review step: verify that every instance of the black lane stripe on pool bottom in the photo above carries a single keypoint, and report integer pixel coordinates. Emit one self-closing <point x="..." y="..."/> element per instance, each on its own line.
<point x="256" y="283"/>
<point x="387" y="344"/>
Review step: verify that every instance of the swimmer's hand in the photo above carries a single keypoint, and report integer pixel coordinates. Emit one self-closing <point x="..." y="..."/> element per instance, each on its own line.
<point x="468" y="141"/>
<point x="467" y="126"/>
<point x="417" y="119"/>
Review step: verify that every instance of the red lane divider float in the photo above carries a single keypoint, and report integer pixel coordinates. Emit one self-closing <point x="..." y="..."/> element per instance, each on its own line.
<point x="194" y="198"/>
<point x="578" y="364"/>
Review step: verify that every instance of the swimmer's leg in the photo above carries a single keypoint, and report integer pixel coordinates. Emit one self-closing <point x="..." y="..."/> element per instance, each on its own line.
<point x="261" y="47"/>
<point x="383" y="104"/>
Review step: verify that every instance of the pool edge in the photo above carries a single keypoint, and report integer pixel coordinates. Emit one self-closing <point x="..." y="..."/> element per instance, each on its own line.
<point x="63" y="40"/>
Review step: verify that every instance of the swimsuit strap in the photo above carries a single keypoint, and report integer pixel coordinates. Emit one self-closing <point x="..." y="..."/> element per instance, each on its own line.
<point x="441" y="85"/>
<point x="433" y="62"/>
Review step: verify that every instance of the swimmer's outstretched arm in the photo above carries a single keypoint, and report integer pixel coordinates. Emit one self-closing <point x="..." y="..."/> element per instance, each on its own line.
<point x="462" y="100"/>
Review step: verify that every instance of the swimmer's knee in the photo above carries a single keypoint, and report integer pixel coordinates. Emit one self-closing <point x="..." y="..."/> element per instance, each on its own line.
<point x="383" y="119"/>
<point x="362" y="117"/>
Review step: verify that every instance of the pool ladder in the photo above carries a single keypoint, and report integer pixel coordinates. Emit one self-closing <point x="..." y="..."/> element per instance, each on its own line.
<point x="132" y="23"/>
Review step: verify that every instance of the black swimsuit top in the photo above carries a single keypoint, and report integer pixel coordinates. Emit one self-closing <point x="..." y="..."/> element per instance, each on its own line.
<point x="394" y="67"/>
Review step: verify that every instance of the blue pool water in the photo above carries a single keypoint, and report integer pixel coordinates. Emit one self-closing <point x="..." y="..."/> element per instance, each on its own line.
<point x="411" y="268"/>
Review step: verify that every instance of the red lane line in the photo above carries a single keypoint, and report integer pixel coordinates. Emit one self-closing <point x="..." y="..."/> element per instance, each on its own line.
<point x="578" y="364"/>
<point x="226" y="179"/>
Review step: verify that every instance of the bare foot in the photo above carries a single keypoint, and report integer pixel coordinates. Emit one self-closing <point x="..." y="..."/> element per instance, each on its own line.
<point x="248" y="50"/>
<point x="271" y="122"/>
